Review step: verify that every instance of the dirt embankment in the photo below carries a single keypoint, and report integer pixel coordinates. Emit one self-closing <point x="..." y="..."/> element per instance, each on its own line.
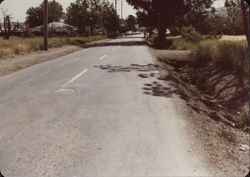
<point x="216" y="99"/>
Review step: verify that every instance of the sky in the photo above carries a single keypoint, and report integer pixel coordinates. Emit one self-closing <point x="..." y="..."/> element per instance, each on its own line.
<point x="18" y="8"/>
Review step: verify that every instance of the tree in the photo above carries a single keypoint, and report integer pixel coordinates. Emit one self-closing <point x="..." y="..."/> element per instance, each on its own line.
<point x="145" y="14"/>
<point x="234" y="17"/>
<point x="1" y="1"/>
<point x="198" y="14"/>
<point x="168" y="12"/>
<point x="94" y="16"/>
<point x="110" y="20"/>
<point x="35" y="14"/>
<point x="8" y="27"/>
<point x="77" y="15"/>
<point x="131" y="22"/>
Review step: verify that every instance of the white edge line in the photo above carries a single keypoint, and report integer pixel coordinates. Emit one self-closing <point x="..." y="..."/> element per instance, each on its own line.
<point x="75" y="78"/>
<point x="104" y="56"/>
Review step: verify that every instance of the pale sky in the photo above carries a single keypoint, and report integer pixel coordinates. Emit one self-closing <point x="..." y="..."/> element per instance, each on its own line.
<point x="18" y="8"/>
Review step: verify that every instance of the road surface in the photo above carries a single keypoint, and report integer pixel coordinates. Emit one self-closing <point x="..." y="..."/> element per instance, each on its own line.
<point x="95" y="112"/>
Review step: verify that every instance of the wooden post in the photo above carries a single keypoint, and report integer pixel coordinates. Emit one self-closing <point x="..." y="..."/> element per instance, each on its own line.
<point x="45" y="25"/>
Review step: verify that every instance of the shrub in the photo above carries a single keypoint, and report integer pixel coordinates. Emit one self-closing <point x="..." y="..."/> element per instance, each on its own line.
<point x="189" y="34"/>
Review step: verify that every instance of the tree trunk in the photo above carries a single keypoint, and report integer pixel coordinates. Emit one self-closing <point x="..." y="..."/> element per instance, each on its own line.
<point x="150" y="31"/>
<point x="91" y="30"/>
<point x="161" y="26"/>
<point x="161" y="32"/>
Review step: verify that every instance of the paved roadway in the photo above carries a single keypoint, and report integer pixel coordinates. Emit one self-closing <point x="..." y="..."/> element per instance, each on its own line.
<point x="95" y="112"/>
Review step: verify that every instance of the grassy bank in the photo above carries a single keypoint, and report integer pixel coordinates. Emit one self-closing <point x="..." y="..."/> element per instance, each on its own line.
<point x="231" y="54"/>
<point x="215" y="72"/>
<point x="230" y="51"/>
<point x="20" y="46"/>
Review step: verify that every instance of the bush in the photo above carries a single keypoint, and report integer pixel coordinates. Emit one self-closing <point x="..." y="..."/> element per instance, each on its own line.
<point x="189" y="34"/>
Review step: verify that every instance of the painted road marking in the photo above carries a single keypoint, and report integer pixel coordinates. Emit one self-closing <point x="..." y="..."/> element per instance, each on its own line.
<point x="104" y="56"/>
<point x="75" y="78"/>
<point x="114" y="49"/>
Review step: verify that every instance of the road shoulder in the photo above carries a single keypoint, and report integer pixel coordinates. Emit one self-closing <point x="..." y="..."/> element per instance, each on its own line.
<point x="221" y="145"/>
<point x="16" y="63"/>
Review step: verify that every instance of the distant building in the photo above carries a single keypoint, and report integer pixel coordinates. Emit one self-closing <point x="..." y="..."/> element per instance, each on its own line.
<point x="56" y="27"/>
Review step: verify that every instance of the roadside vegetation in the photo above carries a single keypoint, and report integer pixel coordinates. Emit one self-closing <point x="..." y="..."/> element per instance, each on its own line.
<point x="231" y="53"/>
<point x="217" y="67"/>
<point x="19" y="46"/>
<point x="214" y="74"/>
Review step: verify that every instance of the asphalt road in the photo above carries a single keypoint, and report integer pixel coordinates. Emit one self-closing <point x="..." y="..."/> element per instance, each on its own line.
<point x="95" y="112"/>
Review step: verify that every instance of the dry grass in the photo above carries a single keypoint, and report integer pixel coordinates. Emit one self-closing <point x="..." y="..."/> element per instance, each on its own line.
<point x="20" y="46"/>
<point x="233" y="54"/>
<point x="180" y="44"/>
<point x="233" y="38"/>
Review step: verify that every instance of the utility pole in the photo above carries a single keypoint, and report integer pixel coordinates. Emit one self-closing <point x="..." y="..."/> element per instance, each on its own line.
<point x="121" y="9"/>
<point x="45" y="25"/>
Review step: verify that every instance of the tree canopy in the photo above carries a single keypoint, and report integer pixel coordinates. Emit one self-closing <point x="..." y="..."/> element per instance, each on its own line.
<point x="131" y="22"/>
<point x="93" y="14"/>
<point x="35" y="14"/>
<point x="170" y="12"/>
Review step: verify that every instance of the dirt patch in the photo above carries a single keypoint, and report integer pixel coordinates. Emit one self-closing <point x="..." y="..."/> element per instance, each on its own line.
<point x="216" y="102"/>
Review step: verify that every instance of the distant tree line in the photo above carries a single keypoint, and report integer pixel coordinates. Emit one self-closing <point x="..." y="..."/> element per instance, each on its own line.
<point x="86" y="15"/>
